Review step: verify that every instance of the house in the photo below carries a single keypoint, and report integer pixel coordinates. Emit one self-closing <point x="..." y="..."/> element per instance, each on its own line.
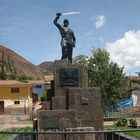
<point x="48" y="79"/>
<point x="135" y="87"/>
<point x="15" y="95"/>
<point x="136" y="97"/>
<point x="38" y="87"/>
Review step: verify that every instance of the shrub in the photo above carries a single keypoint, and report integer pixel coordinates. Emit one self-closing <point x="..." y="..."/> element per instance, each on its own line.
<point x="43" y="97"/>
<point x="121" y="122"/>
<point x="133" y="123"/>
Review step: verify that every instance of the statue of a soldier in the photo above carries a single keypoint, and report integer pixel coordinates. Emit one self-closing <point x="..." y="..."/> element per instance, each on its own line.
<point x="68" y="38"/>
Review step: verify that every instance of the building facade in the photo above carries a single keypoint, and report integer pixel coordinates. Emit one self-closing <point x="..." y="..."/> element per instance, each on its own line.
<point x="15" y="94"/>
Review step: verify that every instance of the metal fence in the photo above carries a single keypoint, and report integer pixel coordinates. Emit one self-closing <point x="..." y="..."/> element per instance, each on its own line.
<point x="17" y="117"/>
<point x="74" y="135"/>
<point x="115" y="115"/>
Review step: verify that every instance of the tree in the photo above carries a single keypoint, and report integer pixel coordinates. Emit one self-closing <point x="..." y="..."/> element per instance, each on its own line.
<point x="108" y="76"/>
<point x="44" y="95"/>
<point x="7" y="68"/>
<point x="80" y="59"/>
<point x="3" y="75"/>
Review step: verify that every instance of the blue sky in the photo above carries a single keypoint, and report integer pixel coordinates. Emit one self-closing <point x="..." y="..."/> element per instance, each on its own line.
<point x="26" y="27"/>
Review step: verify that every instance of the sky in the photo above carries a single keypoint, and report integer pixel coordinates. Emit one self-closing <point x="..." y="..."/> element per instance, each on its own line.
<point x="26" y="27"/>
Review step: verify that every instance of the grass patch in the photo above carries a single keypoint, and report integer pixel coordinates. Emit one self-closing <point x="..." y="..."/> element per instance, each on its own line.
<point x="135" y="134"/>
<point x="26" y="120"/>
<point x="24" y="129"/>
<point x="114" y="127"/>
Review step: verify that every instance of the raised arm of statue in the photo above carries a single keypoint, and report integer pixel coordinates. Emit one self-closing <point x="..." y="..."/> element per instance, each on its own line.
<point x="56" y="21"/>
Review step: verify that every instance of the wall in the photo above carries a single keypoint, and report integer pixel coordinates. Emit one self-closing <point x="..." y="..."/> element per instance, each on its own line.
<point x="136" y="97"/>
<point x="5" y="92"/>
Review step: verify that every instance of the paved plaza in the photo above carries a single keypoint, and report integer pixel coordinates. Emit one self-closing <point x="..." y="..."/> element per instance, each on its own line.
<point x="11" y="121"/>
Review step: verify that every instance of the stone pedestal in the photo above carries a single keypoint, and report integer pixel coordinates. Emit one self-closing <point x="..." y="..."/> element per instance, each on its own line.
<point x="64" y="72"/>
<point x="74" y="104"/>
<point x="59" y="103"/>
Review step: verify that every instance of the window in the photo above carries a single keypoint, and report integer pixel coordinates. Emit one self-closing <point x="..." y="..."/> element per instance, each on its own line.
<point x="15" y="90"/>
<point x="16" y="102"/>
<point x="38" y="86"/>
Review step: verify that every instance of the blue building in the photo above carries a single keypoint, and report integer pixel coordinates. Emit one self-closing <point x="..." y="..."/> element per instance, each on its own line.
<point x="38" y="87"/>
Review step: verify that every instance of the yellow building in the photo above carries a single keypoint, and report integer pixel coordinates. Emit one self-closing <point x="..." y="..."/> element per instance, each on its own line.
<point x="14" y="93"/>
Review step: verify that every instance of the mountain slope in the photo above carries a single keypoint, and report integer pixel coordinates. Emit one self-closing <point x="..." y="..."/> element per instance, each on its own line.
<point x="47" y="67"/>
<point x="23" y="66"/>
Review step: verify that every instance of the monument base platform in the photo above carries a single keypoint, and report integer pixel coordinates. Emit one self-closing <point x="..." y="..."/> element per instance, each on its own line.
<point x="73" y="104"/>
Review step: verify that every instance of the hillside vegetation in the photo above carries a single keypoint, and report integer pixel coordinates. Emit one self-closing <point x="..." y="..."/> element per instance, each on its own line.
<point x="14" y="66"/>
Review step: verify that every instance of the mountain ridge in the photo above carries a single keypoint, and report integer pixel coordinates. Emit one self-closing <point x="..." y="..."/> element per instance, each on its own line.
<point x="47" y="67"/>
<point x="23" y="66"/>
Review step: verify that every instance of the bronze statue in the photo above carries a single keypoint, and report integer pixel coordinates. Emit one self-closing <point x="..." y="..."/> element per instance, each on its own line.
<point x="68" y="38"/>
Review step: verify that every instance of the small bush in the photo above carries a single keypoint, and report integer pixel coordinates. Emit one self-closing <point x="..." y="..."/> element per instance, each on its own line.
<point x="133" y="123"/>
<point x="121" y="122"/>
<point x="43" y="97"/>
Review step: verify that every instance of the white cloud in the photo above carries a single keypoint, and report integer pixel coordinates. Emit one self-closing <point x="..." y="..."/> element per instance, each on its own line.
<point x="126" y="50"/>
<point x="99" y="21"/>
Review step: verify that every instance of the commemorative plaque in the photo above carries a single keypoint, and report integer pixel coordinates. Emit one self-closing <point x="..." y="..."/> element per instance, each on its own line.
<point x="84" y="101"/>
<point x="51" y="122"/>
<point x="69" y="77"/>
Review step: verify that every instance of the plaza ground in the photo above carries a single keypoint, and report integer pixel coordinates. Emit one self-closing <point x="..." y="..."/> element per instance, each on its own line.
<point x="11" y="121"/>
